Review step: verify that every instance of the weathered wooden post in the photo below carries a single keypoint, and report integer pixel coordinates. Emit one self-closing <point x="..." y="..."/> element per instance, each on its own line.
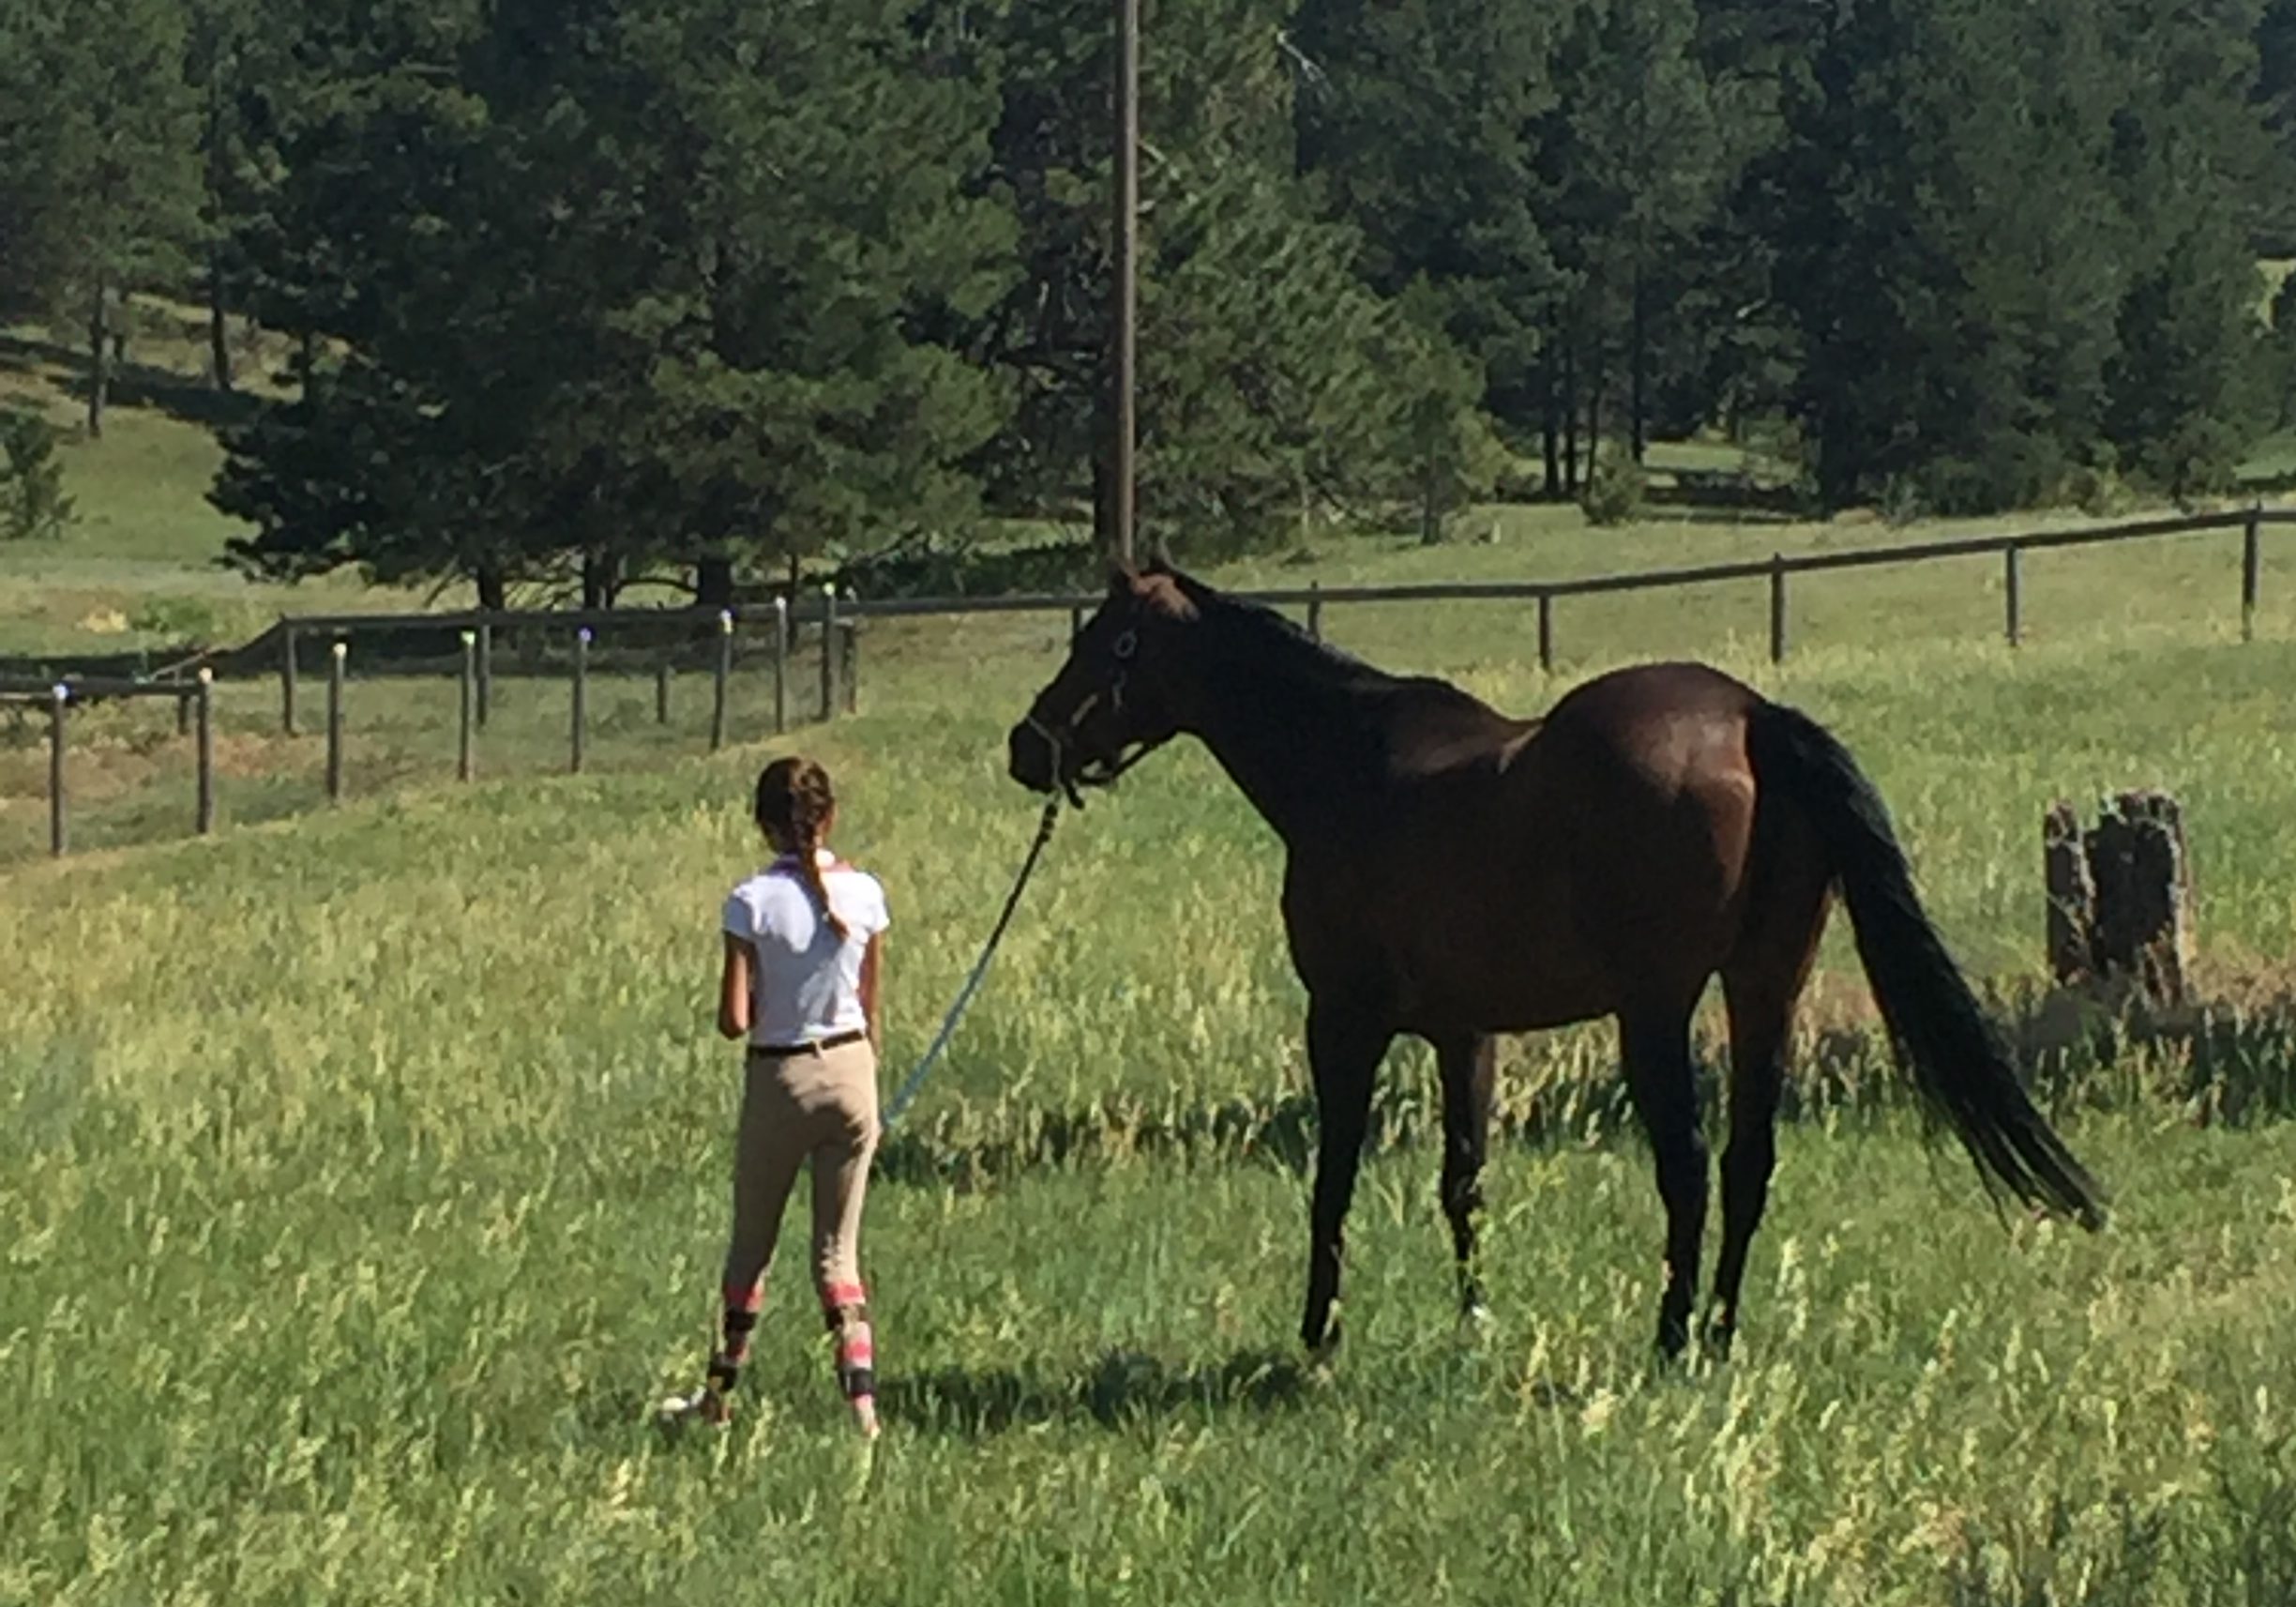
<point x="2120" y="895"/>
<point x="59" y="699"/>
<point x="661" y="688"/>
<point x="486" y="672"/>
<point x="1076" y="622"/>
<point x="2071" y="917"/>
<point x="1546" y="631"/>
<point x="781" y="652"/>
<point x="581" y="697"/>
<point x="1778" y="608"/>
<point x="2011" y="592"/>
<point x="205" y="816"/>
<point x="724" y="673"/>
<point x="183" y="713"/>
<point x="2137" y="859"/>
<point x="287" y="679"/>
<point x="829" y="652"/>
<point x="469" y="705"/>
<point x="1315" y="609"/>
<point x="2252" y="567"/>
<point x="334" y="702"/>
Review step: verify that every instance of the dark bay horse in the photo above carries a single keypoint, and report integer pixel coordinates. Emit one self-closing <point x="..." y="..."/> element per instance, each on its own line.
<point x="1454" y="874"/>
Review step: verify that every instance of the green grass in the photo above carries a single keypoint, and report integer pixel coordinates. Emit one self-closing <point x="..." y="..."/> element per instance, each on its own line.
<point x="363" y="1179"/>
<point x="362" y="1169"/>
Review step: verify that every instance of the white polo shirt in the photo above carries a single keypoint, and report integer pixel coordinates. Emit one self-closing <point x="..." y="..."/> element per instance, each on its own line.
<point x="806" y="985"/>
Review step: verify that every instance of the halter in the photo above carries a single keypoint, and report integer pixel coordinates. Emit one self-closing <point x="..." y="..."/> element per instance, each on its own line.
<point x="1093" y="771"/>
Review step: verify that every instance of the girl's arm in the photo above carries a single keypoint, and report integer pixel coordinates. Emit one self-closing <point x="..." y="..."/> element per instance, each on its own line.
<point x="734" y="988"/>
<point x="872" y="994"/>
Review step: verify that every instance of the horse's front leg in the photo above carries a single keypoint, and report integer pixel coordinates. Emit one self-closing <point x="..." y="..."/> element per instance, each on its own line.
<point x="1345" y="1046"/>
<point x="1469" y="1066"/>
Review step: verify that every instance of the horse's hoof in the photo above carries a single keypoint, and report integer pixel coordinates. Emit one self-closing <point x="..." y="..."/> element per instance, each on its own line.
<point x="1474" y="1319"/>
<point x="1323" y="1351"/>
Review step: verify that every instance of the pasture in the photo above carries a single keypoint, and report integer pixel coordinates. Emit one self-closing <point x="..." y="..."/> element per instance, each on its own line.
<point x="364" y="1176"/>
<point x="362" y="1170"/>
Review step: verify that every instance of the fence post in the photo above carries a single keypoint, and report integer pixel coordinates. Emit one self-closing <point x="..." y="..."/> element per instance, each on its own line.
<point x="287" y="679"/>
<point x="1778" y="608"/>
<point x="183" y="713"/>
<point x="725" y="671"/>
<point x="781" y="647"/>
<point x="1315" y="609"/>
<point x="849" y="643"/>
<point x="2013" y="592"/>
<point x="58" y="699"/>
<point x="2252" y="567"/>
<point x="205" y="818"/>
<point x="469" y="701"/>
<point x="335" y="700"/>
<point x="486" y="672"/>
<point x="1076" y="622"/>
<point x="582" y="697"/>
<point x="661" y="688"/>
<point x="828" y="646"/>
<point x="1546" y="631"/>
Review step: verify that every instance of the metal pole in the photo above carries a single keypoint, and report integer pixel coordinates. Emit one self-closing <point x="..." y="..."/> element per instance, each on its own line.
<point x="2013" y="592"/>
<point x="1315" y="609"/>
<point x="781" y="645"/>
<point x="60" y="698"/>
<point x="287" y="679"/>
<point x="335" y="701"/>
<point x="486" y="673"/>
<point x="2251" y="570"/>
<point x="661" y="688"/>
<point x="725" y="671"/>
<point x="1778" y="608"/>
<point x="1545" y="628"/>
<point x="469" y="702"/>
<point x="581" y="696"/>
<point x="1124" y="315"/>
<point x="206" y="816"/>
<point x="828" y="651"/>
<point x="1076" y="623"/>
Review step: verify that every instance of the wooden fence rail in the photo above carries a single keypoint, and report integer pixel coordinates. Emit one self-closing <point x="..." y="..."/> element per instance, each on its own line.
<point x="837" y="619"/>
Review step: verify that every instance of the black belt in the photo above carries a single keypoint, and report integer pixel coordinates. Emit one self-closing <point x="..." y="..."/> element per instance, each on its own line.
<point x="819" y="1046"/>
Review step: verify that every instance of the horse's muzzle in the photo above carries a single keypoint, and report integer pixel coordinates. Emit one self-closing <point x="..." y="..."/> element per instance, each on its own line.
<point x="1031" y="759"/>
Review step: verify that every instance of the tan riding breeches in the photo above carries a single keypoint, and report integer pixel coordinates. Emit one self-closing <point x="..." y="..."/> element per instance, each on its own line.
<point x="819" y="1106"/>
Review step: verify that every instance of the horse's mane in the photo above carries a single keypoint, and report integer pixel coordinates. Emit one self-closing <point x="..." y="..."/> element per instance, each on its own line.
<point x="1282" y="644"/>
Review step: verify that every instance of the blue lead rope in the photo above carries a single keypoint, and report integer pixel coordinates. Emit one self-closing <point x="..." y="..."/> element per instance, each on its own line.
<point x="980" y="969"/>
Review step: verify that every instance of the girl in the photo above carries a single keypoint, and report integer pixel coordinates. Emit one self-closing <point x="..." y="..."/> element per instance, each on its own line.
<point x="802" y="946"/>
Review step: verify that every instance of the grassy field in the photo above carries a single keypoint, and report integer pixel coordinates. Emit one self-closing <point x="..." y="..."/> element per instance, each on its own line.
<point x="362" y="1169"/>
<point x="363" y="1180"/>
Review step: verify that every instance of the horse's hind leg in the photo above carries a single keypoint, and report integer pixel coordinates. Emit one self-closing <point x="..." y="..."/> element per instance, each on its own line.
<point x="1655" y="1046"/>
<point x="1469" y="1066"/>
<point x="1761" y="985"/>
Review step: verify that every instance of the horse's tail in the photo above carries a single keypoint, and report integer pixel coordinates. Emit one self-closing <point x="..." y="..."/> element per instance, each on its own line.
<point x="1958" y="1059"/>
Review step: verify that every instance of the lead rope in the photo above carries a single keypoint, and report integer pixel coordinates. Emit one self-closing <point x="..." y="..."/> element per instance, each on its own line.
<point x="980" y="969"/>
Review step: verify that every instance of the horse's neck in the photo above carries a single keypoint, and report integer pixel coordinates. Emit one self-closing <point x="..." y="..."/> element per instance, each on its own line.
<point x="1304" y="745"/>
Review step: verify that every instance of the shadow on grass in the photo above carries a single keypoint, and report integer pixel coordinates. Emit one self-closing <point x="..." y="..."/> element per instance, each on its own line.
<point x="133" y="383"/>
<point x="1123" y="1387"/>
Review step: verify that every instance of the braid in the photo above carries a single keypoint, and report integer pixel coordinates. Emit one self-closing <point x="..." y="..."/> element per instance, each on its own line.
<point x="793" y="801"/>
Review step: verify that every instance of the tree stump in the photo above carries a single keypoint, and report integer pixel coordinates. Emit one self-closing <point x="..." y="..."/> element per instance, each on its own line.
<point x="2120" y="895"/>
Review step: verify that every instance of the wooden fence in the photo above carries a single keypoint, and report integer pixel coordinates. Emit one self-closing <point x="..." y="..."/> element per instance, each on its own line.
<point x="836" y="620"/>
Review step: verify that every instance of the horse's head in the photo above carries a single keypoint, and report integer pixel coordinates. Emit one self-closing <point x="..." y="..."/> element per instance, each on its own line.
<point x="1109" y="705"/>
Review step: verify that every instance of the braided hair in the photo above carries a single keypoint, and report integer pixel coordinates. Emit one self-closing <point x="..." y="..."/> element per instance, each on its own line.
<point x="794" y="804"/>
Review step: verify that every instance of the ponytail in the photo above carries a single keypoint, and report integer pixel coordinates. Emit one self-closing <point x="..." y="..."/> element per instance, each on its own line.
<point x="793" y="805"/>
